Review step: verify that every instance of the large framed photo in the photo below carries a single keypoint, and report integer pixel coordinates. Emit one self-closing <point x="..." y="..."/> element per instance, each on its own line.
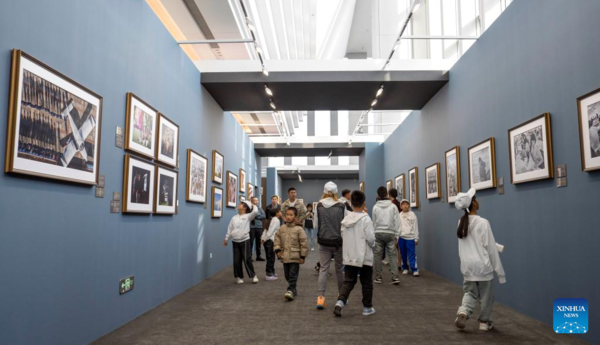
<point x="167" y="148"/>
<point x="197" y="168"/>
<point x="138" y="185"/>
<point x="588" y="107"/>
<point x="165" y="200"/>
<point x="243" y="181"/>
<point x="140" y="127"/>
<point x="432" y="181"/>
<point x="217" y="202"/>
<point x="413" y="187"/>
<point x="250" y="189"/>
<point x="482" y="165"/>
<point x="452" y="173"/>
<point x="232" y="186"/>
<point x="400" y="185"/>
<point x="530" y="150"/>
<point x="53" y="124"/>
<point x="218" y="166"/>
<point x="388" y="185"/>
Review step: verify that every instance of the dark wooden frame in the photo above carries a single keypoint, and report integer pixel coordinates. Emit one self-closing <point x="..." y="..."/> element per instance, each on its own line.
<point x="492" y="169"/>
<point x="416" y="169"/>
<point x="438" y="182"/>
<point x="227" y="188"/>
<point x="175" y="199"/>
<point x="212" y="206"/>
<point x="581" y="148"/>
<point x="214" y="162"/>
<point x="125" y="193"/>
<point x="15" y="78"/>
<point x="131" y="95"/>
<point x="187" y="177"/>
<point x="403" y="184"/>
<point x="161" y="116"/>
<point x="458" y="183"/>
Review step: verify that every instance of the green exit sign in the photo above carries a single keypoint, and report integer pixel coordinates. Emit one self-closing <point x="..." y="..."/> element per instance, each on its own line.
<point x="126" y="285"/>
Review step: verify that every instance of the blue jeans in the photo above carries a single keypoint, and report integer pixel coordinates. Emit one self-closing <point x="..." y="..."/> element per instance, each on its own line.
<point x="408" y="251"/>
<point x="310" y="235"/>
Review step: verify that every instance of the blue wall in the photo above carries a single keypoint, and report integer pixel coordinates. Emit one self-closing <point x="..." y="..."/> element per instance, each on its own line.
<point x="60" y="272"/>
<point x="539" y="56"/>
<point x="373" y="158"/>
<point x="274" y="185"/>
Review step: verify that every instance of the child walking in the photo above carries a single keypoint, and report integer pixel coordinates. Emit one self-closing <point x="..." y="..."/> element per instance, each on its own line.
<point x="268" y="239"/>
<point x="239" y="232"/>
<point x="479" y="260"/>
<point x="409" y="238"/>
<point x="359" y="239"/>
<point x="291" y="247"/>
<point x="309" y="226"/>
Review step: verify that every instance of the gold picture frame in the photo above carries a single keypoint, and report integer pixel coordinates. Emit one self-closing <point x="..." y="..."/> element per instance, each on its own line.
<point x="138" y="185"/>
<point x="217" y="202"/>
<point x="161" y="155"/>
<point x="401" y="191"/>
<point x="590" y="156"/>
<point x="162" y="196"/>
<point x="135" y="137"/>
<point x="242" y="181"/>
<point x="199" y="183"/>
<point x="231" y="189"/>
<point x="218" y="167"/>
<point x="413" y="187"/>
<point x="433" y="188"/>
<point x="480" y="180"/>
<point x="452" y="187"/>
<point x="523" y="157"/>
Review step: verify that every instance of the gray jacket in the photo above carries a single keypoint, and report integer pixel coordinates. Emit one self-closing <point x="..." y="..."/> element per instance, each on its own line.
<point x="386" y="218"/>
<point x="257" y="223"/>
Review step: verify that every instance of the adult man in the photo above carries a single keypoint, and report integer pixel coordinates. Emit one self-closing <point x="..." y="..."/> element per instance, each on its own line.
<point x="256" y="229"/>
<point x="297" y="203"/>
<point x="346" y="199"/>
<point x="274" y="205"/>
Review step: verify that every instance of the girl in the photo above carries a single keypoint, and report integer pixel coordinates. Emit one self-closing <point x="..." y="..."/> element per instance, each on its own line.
<point x="478" y="261"/>
<point x="239" y="232"/>
<point x="309" y="227"/>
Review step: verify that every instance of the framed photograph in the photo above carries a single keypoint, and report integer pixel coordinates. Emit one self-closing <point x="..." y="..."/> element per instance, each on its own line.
<point x="588" y="107"/>
<point x="165" y="200"/>
<point x="413" y="187"/>
<point x="138" y="185"/>
<point x="167" y="149"/>
<point x="432" y="181"/>
<point x="53" y="124"/>
<point x="140" y="127"/>
<point x="452" y="173"/>
<point x="242" y="198"/>
<point x="250" y="189"/>
<point x="242" y="181"/>
<point x="232" y="186"/>
<point x="482" y="165"/>
<point x="197" y="168"/>
<point x="400" y="185"/>
<point x="361" y="186"/>
<point x="218" y="166"/>
<point x="388" y="185"/>
<point x="530" y="150"/>
<point x="217" y="202"/>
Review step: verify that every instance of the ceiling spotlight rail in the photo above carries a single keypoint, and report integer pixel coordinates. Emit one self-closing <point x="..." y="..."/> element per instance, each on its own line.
<point x="413" y="8"/>
<point x="252" y="28"/>
<point x="358" y="127"/>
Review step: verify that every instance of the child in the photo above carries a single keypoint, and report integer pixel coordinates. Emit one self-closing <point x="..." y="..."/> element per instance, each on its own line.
<point x="359" y="239"/>
<point x="386" y="221"/>
<point x="479" y="259"/>
<point x="291" y="247"/>
<point x="239" y="232"/>
<point x="309" y="226"/>
<point x="409" y="238"/>
<point x="267" y="240"/>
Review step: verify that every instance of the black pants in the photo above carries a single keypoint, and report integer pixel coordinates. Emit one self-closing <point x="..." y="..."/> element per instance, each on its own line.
<point x="270" y="254"/>
<point x="366" y="280"/>
<point x="242" y="257"/>
<point x="255" y="234"/>
<point x="292" y="270"/>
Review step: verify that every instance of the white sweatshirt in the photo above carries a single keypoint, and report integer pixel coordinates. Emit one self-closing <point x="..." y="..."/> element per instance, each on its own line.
<point x="239" y="226"/>
<point x="269" y="234"/>
<point x="410" y="226"/>
<point x="359" y="239"/>
<point x="478" y="253"/>
<point x="386" y="218"/>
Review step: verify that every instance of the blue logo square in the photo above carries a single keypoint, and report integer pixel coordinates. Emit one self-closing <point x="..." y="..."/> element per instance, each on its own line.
<point x="571" y="315"/>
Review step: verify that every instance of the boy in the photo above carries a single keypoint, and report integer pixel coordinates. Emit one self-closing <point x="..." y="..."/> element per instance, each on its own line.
<point x="359" y="239"/>
<point x="409" y="238"/>
<point x="291" y="247"/>
<point x="267" y="239"/>
<point x="386" y="221"/>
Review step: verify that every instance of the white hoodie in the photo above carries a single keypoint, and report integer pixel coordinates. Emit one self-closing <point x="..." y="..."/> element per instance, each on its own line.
<point x="479" y="254"/>
<point x="359" y="239"/>
<point x="270" y="233"/>
<point x="239" y="226"/>
<point x="386" y="218"/>
<point x="410" y="226"/>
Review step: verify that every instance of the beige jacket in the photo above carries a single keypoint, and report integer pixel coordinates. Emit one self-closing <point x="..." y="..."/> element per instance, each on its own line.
<point x="291" y="241"/>
<point x="301" y="210"/>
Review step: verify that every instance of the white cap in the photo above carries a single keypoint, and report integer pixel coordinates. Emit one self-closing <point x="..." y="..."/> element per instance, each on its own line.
<point x="463" y="200"/>
<point x="404" y="200"/>
<point x="248" y="203"/>
<point x="330" y="187"/>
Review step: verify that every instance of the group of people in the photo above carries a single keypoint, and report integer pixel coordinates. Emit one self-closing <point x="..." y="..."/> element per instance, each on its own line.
<point x="356" y="244"/>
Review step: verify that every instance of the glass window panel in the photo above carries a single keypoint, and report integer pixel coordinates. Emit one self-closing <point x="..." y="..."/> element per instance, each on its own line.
<point x="322" y="123"/>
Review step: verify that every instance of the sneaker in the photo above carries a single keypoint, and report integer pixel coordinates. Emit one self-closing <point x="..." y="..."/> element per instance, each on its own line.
<point x="321" y="302"/>
<point x="395" y="281"/>
<point x="416" y="274"/>
<point x="368" y="311"/>
<point x="405" y="272"/>
<point x="271" y="278"/>
<point x="255" y="280"/>
<point x="485" y="326"/>
<point x="317" y="268"/>
<point x="240" y="281"/>
<point x="260" y="259"/>
<point x="378" y="281"/>
<point x="289" y="295"/>
<point x="461" y="319"/>
<point x="275" y="275"/>
<point x="338" y="308"/>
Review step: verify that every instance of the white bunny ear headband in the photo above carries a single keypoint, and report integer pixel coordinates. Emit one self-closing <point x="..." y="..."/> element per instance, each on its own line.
<point x="463" y="200"/>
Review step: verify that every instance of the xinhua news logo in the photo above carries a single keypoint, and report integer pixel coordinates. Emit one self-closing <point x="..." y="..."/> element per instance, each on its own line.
<point x="570" y="315"/>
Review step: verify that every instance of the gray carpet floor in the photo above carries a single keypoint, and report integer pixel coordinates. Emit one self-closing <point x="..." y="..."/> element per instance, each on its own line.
<point x="418" y="311"/>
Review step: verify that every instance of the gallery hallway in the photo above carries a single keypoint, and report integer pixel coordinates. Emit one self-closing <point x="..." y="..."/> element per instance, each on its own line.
<point x="419" y="311"/>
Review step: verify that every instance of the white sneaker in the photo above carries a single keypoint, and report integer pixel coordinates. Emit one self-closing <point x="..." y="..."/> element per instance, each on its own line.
<point x="416" y="274"/>
<point x="405" y="272"/>
<point x="368" y="311"/>
<point x="240" y="281"/>
<point x="385" y="262"/>
<point x="485" y="326"/>
<point x="461" y="319"/>
<point x="255" y="280"/>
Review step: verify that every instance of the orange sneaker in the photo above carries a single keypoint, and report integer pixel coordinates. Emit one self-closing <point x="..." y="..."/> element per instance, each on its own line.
<point x="321" y="302"/>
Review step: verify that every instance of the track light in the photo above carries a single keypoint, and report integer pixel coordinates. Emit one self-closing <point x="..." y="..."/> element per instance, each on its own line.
<point x="272" y="105"/>
<point x="268" y="91"/>
<point x="379" y="92"/>
<point x="374" y="102"/>
<point x="250" y="25"/>
<point x="265" y="72"/>
<point x="330" y="153"/>
<point x="258" y="48"/>
<point x="287" y="143"/>
<point x="417" y="5"/>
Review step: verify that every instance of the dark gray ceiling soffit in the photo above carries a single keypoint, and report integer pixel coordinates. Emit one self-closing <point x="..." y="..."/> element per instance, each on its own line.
<point x="329" y="175"/>
<point x="309" y="149"/>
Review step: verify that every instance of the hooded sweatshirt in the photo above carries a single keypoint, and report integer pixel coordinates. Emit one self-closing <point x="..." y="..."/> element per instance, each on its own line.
<point x="239" y="226"/>
<point x="478" y="252"/>
<point x="386" y="218"/>
<point x="331" y="213"/>
<point x="410" y="226"/>
<point x="269" y="234"/>
<point x="359" y="239"/>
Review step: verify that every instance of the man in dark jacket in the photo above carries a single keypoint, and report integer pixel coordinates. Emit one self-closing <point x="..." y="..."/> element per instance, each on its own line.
<point x="256" y="229"/>
<point x="274" y="205"/>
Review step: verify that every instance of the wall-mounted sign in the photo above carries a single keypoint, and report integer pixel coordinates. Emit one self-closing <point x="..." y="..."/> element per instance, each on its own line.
<point x="125" y="285"/>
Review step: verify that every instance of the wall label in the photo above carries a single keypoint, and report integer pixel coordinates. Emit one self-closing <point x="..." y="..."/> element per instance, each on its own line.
<point x="126" y="285"/>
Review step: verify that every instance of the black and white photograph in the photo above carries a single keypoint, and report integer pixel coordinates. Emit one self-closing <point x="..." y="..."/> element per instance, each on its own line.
<point x="432" y="181"/>
<point x="167" y="149"/>
<point x="197" y="168"/>
<point x="138" y="185"/>
<point x="452" y="173"/>
<point x="482" y="165"/>
<point x="217" y="202"/>
<point x="54" y="124"/>
<point x="589" y="130"/>
<point x="530" y="150"/>
<point x="140" y="127"/>
<point x="400" y="186"/>
<point x="413" y="187"/>
<point x="218" y="166"/>
<point x="166" y="191"/>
